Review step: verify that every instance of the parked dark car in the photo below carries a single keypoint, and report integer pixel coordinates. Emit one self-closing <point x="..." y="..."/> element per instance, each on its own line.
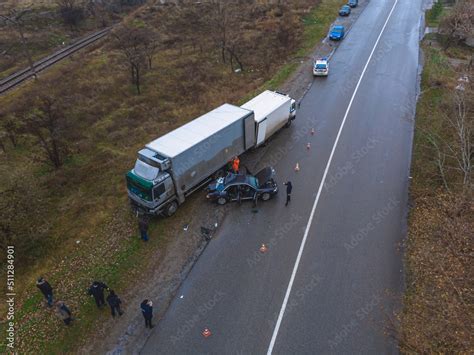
<point x="337" y="33"/>
<point x="345" y="10"/>
<point x="241" y="187"/>
<point x="353" y="3"/>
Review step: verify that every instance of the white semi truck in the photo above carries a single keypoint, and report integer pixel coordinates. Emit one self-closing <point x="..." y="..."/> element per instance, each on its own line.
<point x="173" y="166"/>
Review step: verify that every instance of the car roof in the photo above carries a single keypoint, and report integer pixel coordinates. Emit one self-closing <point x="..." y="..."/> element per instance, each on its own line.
<point x="321" y="61"/>
<point x="235" y="179"/>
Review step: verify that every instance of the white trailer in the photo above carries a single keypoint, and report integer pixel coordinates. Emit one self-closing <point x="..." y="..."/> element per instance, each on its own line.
<point x="272" y="111"/>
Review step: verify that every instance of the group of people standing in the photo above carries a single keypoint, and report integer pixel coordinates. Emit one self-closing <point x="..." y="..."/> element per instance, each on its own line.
<point x="62" y="311"/>
<point x="97" y="290"/>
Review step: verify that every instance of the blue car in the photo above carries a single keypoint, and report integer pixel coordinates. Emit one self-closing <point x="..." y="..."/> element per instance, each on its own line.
<point x="353" y="3"/>
<point x="345" y="10"/>
<point x="336" y="33"/>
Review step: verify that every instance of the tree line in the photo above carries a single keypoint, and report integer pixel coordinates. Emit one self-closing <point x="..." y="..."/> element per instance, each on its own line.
<point x="239" y="34"/>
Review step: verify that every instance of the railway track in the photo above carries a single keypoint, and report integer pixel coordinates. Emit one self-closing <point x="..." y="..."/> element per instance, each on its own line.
<point x="20" y="76"/>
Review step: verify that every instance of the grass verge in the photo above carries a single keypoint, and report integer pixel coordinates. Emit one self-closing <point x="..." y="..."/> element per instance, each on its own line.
<point x="437" y="313"/>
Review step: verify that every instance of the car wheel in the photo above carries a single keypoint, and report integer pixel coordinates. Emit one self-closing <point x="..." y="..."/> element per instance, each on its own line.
<point x="265" y="196"/>
<point x="171" y="208"/>
<point x="288" y="124"/>
<point x="221" y="201"/>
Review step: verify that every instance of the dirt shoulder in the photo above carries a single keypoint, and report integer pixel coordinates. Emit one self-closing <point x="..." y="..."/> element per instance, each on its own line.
<point x="168" y="268"/>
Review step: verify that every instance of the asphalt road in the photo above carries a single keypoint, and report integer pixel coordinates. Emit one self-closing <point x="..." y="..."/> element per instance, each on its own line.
<point x="347" y="275"/>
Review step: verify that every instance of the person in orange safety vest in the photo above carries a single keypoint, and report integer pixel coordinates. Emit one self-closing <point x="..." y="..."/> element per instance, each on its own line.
<point x="235" y="165"/>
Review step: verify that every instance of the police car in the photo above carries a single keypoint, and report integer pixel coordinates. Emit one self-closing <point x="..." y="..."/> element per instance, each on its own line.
<point x="321" y="67"/>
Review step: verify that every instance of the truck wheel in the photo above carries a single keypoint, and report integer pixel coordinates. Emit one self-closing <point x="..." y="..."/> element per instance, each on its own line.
<point x="171" y="208"/>
<point x="221" y="201"/>
<point x="265" y="196"/>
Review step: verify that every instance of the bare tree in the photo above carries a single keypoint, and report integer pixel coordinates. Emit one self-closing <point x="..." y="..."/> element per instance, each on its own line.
<point x="15" y="18"/>
<point x="458" y="24"/>
<point x="100" y="11"/>
<point x="453" y="146"/>
<point x="151" y="45"/>
<point x="11" y="127"/>
<point x="462" y="125"/>
<point x="71" y="11"/>
<point x="2" y="141"/>
<point x="138" y="46"/>
<point x="224" y="26"/>
<point x="440" y="158"/>
<point x="48" y="123"/>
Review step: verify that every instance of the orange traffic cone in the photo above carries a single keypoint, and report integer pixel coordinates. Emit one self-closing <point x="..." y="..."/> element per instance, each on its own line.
<point x="263" y="248"/>
<point x="206" y="333"/>
<point x="297" y="167"/>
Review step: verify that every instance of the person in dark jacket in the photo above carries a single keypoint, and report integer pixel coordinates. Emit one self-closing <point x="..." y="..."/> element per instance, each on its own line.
<point x="147" y="311"/>
<point x="97" y="290"/>
<point x="143" y="227"/>
<point x="289" y="187"/>
<point x="114" y="302"/>
<point x="63" y="312"/>
<point x="46" y="290"/>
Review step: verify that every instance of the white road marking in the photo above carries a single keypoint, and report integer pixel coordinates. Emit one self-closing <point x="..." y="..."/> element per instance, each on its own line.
<point x="315" y="205"/>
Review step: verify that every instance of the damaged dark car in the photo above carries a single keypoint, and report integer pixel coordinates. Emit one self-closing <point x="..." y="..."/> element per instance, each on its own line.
<point x="241" y="187"/>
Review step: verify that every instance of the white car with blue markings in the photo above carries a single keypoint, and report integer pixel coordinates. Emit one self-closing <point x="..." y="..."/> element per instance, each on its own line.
<point x="321" y="67"/>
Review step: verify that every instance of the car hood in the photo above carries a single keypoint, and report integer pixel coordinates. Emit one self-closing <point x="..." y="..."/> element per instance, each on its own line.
<point x="217" y="185"/>
<point x="265" y="175"/>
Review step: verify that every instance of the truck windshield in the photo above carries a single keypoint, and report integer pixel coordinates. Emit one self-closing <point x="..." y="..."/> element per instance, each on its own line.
<point x="137" y="187"/>
<point x="145" y="171"/>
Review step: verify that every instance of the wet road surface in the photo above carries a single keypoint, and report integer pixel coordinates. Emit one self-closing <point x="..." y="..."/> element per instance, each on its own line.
<point x="331" y="294"/>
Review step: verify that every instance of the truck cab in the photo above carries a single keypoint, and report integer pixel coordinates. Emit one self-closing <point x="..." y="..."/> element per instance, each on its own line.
<point x="150" y="187"/>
